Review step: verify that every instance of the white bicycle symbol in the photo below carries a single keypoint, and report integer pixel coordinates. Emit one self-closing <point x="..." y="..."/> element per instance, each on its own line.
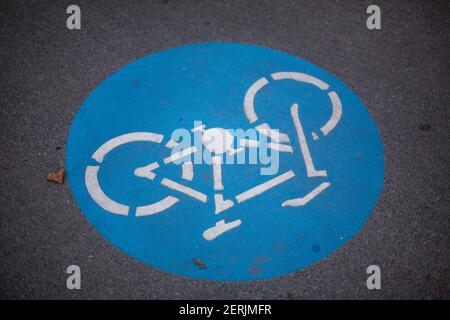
<point x="219" y="141"/>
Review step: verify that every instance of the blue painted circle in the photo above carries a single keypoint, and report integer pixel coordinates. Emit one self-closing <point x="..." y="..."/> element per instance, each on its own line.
<point x="207" y="82"/>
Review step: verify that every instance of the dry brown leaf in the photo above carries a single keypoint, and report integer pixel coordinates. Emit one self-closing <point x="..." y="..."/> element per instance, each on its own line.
<point x="200" y="264"/>
<point x="57" y="177"/>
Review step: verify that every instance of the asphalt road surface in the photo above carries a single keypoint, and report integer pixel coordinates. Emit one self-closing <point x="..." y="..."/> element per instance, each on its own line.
<point x="400" y="72"/>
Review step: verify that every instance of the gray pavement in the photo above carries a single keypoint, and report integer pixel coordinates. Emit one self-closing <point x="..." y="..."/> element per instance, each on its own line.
<point x="401" y="73"/>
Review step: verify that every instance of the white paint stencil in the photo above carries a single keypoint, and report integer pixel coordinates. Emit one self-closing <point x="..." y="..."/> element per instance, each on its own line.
<point x="219" y="142"/>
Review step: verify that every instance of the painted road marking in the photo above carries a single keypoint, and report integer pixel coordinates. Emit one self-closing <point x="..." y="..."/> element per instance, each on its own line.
<point x="336" y="116"/>
<point x="217" y="172"/>
<point x="123" y="139"/>
<point x="310" y="169"/>
<point x="249" y="99"/>
<point x="300" y="77"/>
<point x="265" y="129"/>
<point x="97" y="194"/>
<point x="303" y="201"/>
<point x="171" y="144"/>
<point x="183" y="189"/>
<point x="220" y="228"/>
<point x="180" y="155"/>
<point x="187" y="171"/>
<point x="157" y="207"/>
<point x="280" y="147"/>
<point x="263" y="187"/>
<point x="147" y="171"/>
<point x="132" y="193"/>
<point x="220" y="204"/>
